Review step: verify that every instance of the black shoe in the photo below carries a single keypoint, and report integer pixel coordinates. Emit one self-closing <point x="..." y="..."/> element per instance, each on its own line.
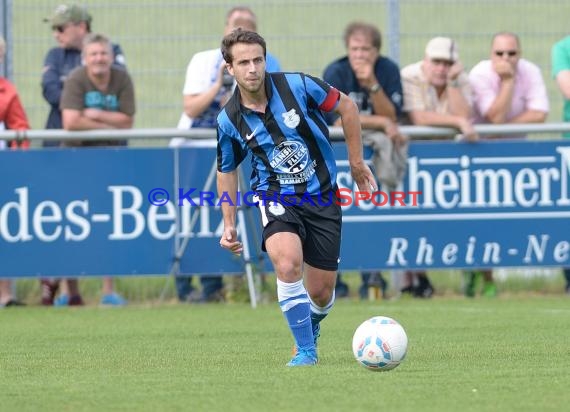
<point x="216" y="297"/>
<point x="425" y="292"/>
<point x="408" y="289"/>
<point x="13" y="302"/>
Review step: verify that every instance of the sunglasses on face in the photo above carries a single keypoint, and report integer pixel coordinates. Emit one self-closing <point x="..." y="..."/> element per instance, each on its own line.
<point x="511" y="53"/>
<point x="61" y="28"/>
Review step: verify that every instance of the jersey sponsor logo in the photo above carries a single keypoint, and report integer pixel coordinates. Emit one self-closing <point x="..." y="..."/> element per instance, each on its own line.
<point x="291" y="119"/>
<point x="291" y="162"/>
<point x="290" y="157"/>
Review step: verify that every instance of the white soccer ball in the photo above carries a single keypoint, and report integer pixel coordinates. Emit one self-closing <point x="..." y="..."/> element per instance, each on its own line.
<point x="380" y="343"/>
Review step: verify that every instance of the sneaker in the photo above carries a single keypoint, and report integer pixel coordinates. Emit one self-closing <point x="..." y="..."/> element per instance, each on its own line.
<point x="61" y="300"/>
<point x="316" y="335"/>
<point x="424" y="292"/>
<point x="304" y="358"/>
<point x="410" y="290"/>
<point x="215" y="297"/>
<point x="471" y="281"/>
<point x="489" y="290"/>
<point x="76" y="300"/>
<point x="113" y="299"/>
<point x="12" y="303"/>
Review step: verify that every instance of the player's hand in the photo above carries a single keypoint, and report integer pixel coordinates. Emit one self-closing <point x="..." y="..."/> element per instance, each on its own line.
<point x="363" y="177"/>
<point x="230" y="241"/>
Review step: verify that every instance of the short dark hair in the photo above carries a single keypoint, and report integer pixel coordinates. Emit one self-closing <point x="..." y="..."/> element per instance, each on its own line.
<point x="240" y="36"/>
<point x="367" y="29"/>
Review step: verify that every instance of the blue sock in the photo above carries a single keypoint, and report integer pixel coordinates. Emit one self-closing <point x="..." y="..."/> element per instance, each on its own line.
<point x="294" y="303"/>
<point x="318" y="313"/>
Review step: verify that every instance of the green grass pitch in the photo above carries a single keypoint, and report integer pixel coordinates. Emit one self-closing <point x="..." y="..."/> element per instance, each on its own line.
<point x="468" y="355"/>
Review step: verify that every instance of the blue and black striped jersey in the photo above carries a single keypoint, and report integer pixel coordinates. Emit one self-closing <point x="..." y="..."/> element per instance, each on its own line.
<point x="290" y="146"/>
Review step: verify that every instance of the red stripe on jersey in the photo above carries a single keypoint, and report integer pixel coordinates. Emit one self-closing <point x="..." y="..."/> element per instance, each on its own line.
<point x="330" y="101"/>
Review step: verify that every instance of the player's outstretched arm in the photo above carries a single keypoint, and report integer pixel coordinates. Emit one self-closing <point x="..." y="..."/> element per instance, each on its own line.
<point x="352" y="133"/>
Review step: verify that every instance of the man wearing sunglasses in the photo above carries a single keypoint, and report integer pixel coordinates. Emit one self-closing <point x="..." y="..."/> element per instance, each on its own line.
<point x="70" y="24"/>
<point x="508" y="88"/>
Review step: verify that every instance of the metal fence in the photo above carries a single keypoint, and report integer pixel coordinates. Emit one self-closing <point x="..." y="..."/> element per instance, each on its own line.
<point x="160" y="36"/>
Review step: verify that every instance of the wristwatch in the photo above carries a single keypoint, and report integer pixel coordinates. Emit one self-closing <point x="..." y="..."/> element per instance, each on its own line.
<point x="453" y="83"/>
<point x="375" y="88"/>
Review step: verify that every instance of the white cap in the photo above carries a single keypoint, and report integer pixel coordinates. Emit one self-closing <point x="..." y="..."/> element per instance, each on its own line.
<point x="442" y="48"/>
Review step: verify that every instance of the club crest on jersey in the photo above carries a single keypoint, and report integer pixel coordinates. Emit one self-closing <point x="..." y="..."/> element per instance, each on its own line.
<point x="276" y="209"/>
<point x="291" y="119"/>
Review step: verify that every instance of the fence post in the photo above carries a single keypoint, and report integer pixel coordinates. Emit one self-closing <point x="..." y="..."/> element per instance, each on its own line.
<point x="393" y="30"/>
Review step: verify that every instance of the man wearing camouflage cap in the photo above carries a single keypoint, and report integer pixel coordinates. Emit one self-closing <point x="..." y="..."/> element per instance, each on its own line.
<point x="70" y="24"/>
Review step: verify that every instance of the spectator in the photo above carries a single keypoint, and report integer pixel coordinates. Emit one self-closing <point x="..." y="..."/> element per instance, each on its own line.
<point x="372" y="81"/>
<point x="206" y="89"/>
<point x="12" y="116"/>
<point x="436" y="93"/>
<point x="98" y="96"/>
<point x="70" y="24"/>
<point x="506" y="89"/>
<point x="436" y="89"/>
<point x="561" y="72"/>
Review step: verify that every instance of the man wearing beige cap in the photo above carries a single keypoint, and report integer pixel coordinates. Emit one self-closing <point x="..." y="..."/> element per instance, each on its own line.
<point x="70" y="25"/>
<point x="437" y="90"/>
<point x="436" y="93"/>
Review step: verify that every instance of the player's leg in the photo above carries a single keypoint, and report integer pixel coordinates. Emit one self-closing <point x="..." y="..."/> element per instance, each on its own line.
<point x="286" y="254"/>
<point x="321" y="252"/>
<point x="320" y="285"/>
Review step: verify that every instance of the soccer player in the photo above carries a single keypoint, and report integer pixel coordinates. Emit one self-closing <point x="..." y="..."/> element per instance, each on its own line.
<point x="277" y="117"/>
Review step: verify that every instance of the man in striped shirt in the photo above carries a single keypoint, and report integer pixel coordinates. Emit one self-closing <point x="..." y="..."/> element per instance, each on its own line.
<point x="278" y="118"/>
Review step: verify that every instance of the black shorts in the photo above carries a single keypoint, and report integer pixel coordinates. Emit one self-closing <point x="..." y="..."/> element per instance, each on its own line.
<point x="316" y="219"/>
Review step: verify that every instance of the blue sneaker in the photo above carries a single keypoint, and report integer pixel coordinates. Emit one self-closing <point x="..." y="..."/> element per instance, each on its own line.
<point x="61" y="300"/>
<point x="316" y="335"/>
<point x="304" y="358"/>
<point x="113" y="299"/>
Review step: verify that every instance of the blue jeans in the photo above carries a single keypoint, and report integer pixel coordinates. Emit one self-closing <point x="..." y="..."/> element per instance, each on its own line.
<point x="567" y="277"/>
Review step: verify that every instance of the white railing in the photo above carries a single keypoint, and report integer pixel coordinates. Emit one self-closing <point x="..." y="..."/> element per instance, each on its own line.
<point x="414" y="132"/>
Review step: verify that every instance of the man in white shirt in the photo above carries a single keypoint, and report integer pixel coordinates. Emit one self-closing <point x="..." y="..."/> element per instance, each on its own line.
<point x="207" y="88"/>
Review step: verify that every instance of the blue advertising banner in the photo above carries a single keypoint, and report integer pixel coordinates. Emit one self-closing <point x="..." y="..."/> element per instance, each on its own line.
<point x="133" y="211"/>
<point x="494" y="203"/>
<point x="83" y="212"/>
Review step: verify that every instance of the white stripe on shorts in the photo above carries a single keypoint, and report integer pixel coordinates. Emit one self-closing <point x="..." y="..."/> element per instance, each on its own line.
<point x="261" y="206"/>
